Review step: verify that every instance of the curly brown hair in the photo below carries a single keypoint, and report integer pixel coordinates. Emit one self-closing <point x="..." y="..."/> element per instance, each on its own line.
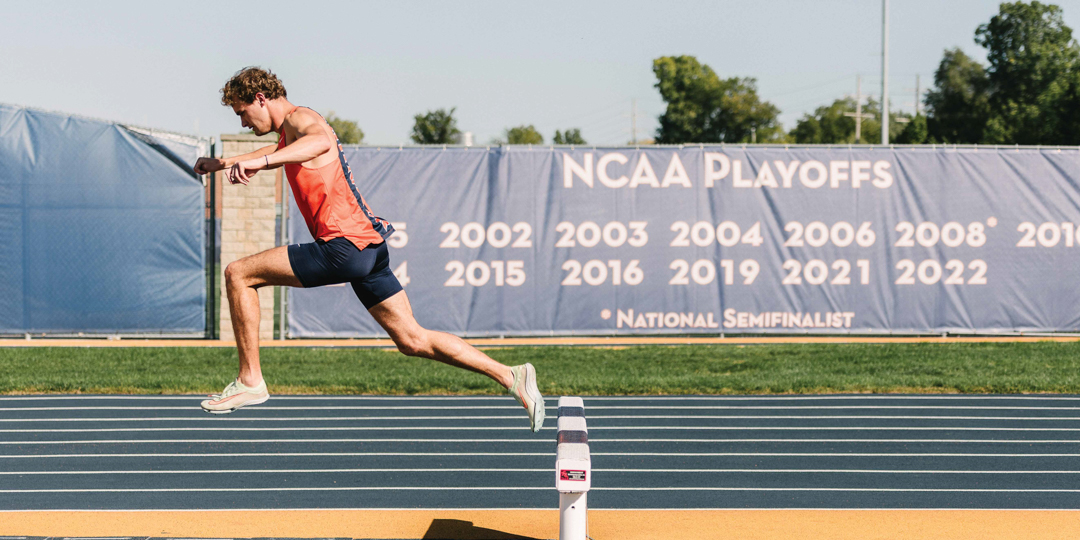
<point x="249" y="81"/>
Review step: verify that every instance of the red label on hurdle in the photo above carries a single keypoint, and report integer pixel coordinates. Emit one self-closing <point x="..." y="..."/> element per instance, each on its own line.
<point x="572" y="475"/>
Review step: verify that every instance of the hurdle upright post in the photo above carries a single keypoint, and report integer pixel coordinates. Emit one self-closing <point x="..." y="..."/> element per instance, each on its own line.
<point x="573" y="469"/>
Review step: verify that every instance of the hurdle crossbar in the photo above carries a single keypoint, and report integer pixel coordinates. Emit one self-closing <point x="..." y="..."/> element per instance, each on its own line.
<point x="573" y="469"/>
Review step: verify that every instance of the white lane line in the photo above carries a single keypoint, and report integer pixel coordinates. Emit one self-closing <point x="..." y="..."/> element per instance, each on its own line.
<point x="208" y="418"/>
<point x="508" y="407"/>
<point x="528" y="488"/>
<point x="326" y="428"/>
<point x="261" y="408"/>
<point x="824" y="417"/>
<point x="809" y="454"/>
<point x="524" y="454"/>
<point x="516" y="417"/>
<point x="805" y="441"/>
<point x="549" y="428"/>
<point x="534" y="470"/>
<point x="276" y="471"/>
<point x="796" y="407"/>
<point x="300" y="441"/>
<point x="587" y="408"/>
<point x="876" y="407"/>
<point x="289" y="454"/>
<point x="251" y="489"/>
<point x="543" y="441"/>
<point x="861" y="490"/>
<point x="593" y="440"/>
<point x="785" y="407"/>
<point x="742" y="428"/>
<point x="190" y="408"/>
<point x="830" y="471"/>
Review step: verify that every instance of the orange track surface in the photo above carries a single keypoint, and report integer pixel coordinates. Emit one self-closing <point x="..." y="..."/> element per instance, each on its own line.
<point x="543" y="524"/>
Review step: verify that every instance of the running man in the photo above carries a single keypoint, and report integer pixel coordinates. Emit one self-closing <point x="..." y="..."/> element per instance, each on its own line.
<point x="350" y="246"/>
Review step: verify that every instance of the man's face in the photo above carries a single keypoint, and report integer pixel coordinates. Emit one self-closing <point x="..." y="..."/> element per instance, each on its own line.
<point x="254" y="116"/>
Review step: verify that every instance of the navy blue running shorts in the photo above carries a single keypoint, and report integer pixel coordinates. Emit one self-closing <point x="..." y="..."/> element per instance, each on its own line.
<point x="339" y="261"/>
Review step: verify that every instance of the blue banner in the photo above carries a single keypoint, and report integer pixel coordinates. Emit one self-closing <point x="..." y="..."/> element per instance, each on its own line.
<point x="707" y="240"/>
<point x="102" y="228"/>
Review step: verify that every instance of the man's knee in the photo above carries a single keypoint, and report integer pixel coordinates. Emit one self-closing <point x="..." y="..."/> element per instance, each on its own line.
<point x="234" y="274"/>
<point x="414" y="344"/>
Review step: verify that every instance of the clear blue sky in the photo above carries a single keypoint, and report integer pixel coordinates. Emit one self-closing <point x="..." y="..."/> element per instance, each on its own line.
<point x="553" y="64"/>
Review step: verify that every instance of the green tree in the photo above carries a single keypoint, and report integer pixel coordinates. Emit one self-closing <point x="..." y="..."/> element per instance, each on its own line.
<point x="958" y="106"/>
<point x="1033" y="64"/>
<point x="702" y="107"/>
<point x="347" y="131"/>
<point x="570" y="136"/>
<point x="915" y="131"/>
<point x="1069" y="114"/>
<point x="1026" y="95"/>
<point x="523" y="135"/>
<point x="829" y="124"/>
<point x="435" y="127"/>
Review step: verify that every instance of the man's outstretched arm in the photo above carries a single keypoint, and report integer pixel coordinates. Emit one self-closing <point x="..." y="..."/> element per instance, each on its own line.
<point x="206" y="165"/>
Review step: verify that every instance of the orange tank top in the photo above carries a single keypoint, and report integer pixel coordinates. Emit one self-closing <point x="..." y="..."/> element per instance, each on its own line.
<point x="331" y="204"/>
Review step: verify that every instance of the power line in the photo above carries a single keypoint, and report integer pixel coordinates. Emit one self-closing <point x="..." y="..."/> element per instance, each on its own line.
<point x="580" y="119"/>
<point x="884" y="71"/>
<point x="810" y="87"/>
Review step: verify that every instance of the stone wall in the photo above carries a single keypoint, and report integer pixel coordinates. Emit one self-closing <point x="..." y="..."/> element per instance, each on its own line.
<point x="248" y="217"/>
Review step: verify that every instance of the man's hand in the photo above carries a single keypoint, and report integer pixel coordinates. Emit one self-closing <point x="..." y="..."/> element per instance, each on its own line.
<point x="207" y="165"/>
<point x="242" y="171"/>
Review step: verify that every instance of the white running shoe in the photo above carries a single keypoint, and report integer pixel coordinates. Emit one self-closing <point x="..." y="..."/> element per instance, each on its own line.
<point x="528" y="395"/>
<point x="234" y="396"/>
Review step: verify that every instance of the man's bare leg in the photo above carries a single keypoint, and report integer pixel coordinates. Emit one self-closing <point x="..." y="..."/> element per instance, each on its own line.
<point x="243" y="278"/>
<point x="395" y="315"/>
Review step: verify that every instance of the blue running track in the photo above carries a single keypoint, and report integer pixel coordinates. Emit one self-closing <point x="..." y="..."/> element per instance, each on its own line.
<point x="716" y="452"/>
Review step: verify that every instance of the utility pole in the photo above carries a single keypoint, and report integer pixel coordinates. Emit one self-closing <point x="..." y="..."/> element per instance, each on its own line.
<point x="884" y="71"/>
<point x="858" y="114"/>
<point x="916" y="94"/>
<point x="633" y="121"/>
<point x="917" y="105"/>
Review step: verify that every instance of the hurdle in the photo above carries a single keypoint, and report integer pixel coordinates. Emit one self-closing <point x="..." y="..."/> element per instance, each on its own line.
<point x="573" y="470"/>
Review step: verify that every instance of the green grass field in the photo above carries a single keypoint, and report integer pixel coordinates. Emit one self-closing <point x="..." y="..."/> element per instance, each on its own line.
<point x="700" y="369"/>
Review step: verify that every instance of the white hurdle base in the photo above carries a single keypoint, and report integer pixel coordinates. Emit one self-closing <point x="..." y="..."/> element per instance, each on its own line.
<point x="573" y="470"/>
<point x="573" y="514"/>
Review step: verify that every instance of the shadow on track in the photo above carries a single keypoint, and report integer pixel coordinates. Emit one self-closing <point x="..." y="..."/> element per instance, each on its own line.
<point x="456" y="529"/>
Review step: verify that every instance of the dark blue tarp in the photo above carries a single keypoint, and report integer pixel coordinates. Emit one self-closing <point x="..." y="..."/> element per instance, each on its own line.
<point x="101" y="228"/>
